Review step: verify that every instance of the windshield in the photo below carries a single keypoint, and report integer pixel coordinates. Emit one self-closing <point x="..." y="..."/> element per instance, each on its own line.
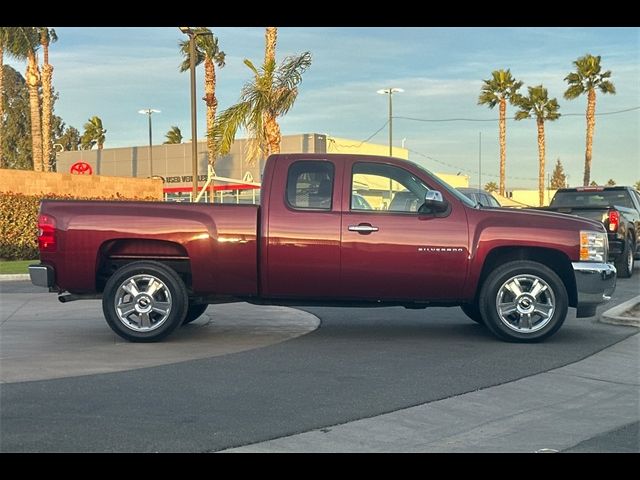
<point x="603" y="198"/>
<point x="460" y="196"/>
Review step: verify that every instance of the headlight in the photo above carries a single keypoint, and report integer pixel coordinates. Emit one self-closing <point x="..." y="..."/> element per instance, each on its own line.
<point x="593" y="246"/>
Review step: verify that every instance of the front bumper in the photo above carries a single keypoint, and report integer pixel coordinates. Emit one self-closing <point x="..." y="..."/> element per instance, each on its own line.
<point x="595" y="283"/>
<point x="42" y="275"/>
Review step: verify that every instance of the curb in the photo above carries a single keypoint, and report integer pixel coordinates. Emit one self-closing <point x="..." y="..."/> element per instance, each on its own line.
<point x="13" y="277"/>
<point x="614" y="315"/>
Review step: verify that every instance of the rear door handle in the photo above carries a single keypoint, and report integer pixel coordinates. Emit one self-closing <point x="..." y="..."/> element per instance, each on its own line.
<point x="363" y="228"/>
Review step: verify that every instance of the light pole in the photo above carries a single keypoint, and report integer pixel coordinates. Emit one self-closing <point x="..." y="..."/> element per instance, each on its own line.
<point x="194" y="127"/>
<point x="390" y="91"/>
<point x="149" y="112"/>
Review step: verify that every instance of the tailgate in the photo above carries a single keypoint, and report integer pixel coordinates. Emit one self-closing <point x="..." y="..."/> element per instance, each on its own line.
<point x="599" y="214"/>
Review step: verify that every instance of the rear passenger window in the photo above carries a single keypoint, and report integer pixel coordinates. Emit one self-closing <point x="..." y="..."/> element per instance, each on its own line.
<point x="310" y="185"/>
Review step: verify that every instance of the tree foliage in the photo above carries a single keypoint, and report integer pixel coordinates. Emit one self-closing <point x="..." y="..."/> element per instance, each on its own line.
<point x="173" y="136"/>
<point x="16" y="124"/>
<point x="558" y="177"/>
<point x="68" y="137"/>
<point x="491" y="187"/>
<point x="588" y="76"/>
<point x="610" y="183"/>
<point x="94" y="134"/>
<point x="637" y="185"/>
<point x="269" y="94"/>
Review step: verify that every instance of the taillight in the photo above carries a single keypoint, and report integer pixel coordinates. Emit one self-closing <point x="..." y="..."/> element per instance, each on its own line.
<point x="614" y="220"/>
<point x="46" y="233"/>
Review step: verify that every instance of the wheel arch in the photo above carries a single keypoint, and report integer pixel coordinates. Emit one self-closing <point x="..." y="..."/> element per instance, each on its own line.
<point x="554" y="259"/>
<point x="116" y="253"/>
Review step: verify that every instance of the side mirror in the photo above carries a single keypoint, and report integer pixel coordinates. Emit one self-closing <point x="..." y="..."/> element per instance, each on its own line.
<point x="435" y="202"/>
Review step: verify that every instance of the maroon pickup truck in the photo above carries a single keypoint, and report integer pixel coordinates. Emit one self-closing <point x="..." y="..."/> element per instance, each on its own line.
<point x="314" y="241"/>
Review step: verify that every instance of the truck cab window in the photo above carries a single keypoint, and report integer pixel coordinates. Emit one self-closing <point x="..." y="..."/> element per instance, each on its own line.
<point x="381" y="187"/>
<point x="310" y="185"/>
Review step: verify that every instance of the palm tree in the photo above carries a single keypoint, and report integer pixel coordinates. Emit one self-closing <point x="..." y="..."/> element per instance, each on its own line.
<point x="270" y="38"/>
<point x="70" y="139"/>
<point x="537" y="104"/>
<point x="207" y="51"/>
<point x="270" y="94"/>
<point x="47" y="36"/>
<point x="499" y="89"/>
<point x="491" y="187"/>
<point x="587" y="77"/>
<point x="24" y="44"/>
<point x="94" y="134"/>
<point x="173" y="136"/>
<point x="5" y="36"/>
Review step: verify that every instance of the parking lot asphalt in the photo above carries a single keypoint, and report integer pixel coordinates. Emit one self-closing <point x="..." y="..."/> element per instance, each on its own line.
<point x="360" y="363"/>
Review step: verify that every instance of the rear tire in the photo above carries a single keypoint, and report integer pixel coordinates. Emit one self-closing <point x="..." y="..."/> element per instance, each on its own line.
<point x="471" y="311"/>
<point x="194" y="312"/>
<point x="523" y="301"/>
<point x="625" y="262"/>
<point x="144" y="301"/>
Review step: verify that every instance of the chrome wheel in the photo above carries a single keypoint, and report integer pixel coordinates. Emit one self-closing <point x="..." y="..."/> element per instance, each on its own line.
<point x="525" y="303"/>
<point x="630" y="260"/>
<point x="142" y="303"/>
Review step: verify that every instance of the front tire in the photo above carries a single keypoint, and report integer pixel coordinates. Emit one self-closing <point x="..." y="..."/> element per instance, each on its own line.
<point x="144" y="301"/>
<point x="523" y="301"/>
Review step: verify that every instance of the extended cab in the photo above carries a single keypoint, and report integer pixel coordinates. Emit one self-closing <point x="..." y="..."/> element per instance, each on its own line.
<point x="618" y="208"/>
<point x="156" y="266"/>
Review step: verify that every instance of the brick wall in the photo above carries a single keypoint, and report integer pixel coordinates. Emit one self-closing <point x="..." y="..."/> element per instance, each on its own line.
<point x="35" y="183"/>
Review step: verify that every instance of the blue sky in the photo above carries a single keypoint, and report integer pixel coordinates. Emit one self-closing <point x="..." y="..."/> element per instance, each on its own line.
<point x="114" y="72"/>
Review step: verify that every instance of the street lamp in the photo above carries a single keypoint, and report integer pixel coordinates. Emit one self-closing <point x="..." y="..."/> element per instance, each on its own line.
<point x="194" y="128"/>
<point x="390" y="91"/>
<point x="149" y="112"/>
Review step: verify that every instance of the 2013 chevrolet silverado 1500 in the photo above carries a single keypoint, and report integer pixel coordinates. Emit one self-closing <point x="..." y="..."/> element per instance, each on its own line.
<point x="157" y="266"/>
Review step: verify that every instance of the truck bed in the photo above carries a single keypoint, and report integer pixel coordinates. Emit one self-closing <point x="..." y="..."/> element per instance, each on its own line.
<point x="224" y="235"/>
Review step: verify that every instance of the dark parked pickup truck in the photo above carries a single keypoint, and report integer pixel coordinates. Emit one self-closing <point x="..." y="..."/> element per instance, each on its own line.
<point x="157" y="265"/>
<point x="618" y="208"/>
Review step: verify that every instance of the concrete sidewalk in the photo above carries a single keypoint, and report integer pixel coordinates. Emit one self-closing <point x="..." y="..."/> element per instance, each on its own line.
<point x="544" y="411"/>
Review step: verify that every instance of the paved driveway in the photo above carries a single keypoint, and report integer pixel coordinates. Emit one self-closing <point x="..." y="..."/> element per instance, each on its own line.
<point x="359" y="363"/>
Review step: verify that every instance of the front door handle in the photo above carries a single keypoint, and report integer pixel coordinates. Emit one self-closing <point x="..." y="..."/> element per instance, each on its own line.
<point x="363" y="228"/>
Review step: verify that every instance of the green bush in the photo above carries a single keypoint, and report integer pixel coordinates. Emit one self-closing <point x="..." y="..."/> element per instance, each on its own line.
<point x="19" y="218"/>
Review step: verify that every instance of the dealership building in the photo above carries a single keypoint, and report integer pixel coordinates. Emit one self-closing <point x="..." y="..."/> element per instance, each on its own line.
<point x="236" y="181"/>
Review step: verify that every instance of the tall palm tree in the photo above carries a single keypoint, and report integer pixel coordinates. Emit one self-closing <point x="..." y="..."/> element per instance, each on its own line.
<point x="94" y="134"/>
<point x="270" y="94"/>
<point x="5" y="37"/>
<point x="24" y="44"/>
<point x="173" y="136"/>
<point x="499" y="89"/>
<point x="270" y="38"/>
<point x="207" y="51"/>
<point x="47" y="36"/>
<point x="537" y="104"/>
<point x="587" y="77"/>
<point x="270" y="122"/>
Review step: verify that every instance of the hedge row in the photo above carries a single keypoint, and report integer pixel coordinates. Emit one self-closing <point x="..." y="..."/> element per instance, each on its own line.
<point x="18" y="222"/>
